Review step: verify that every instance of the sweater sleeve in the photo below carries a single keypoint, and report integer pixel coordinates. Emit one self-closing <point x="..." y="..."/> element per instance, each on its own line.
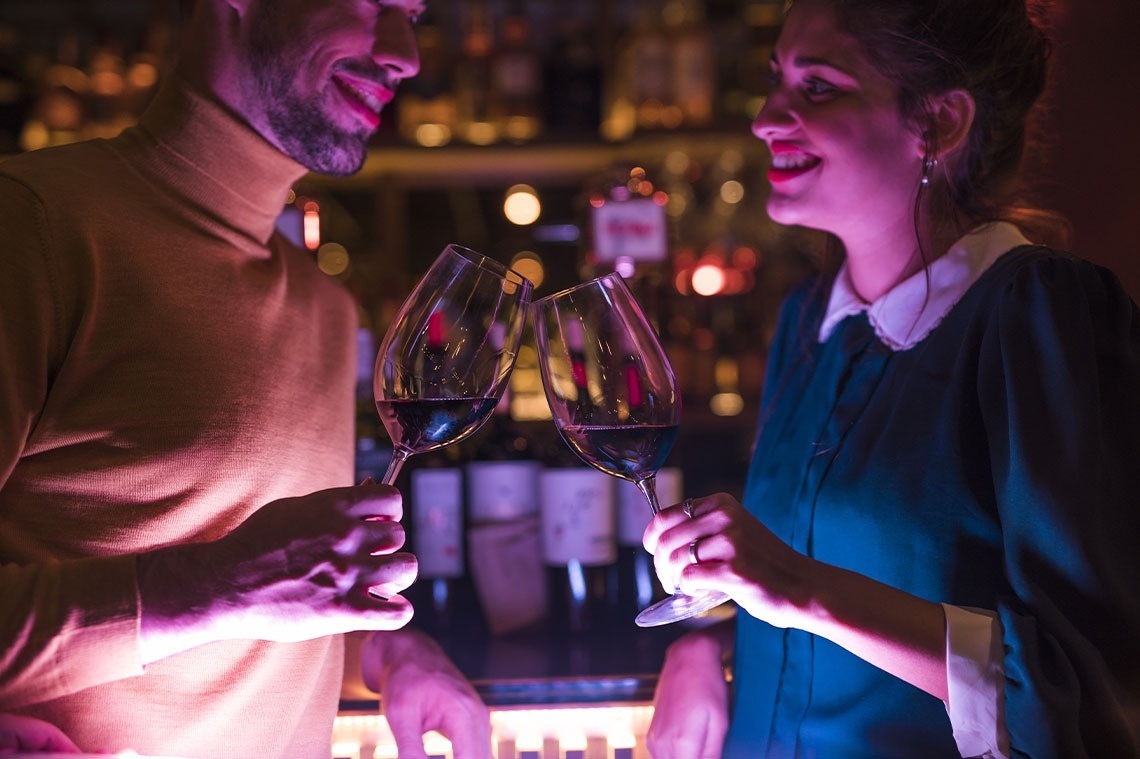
<point x="64" y="625"/>
<point x="1060" y="390"/>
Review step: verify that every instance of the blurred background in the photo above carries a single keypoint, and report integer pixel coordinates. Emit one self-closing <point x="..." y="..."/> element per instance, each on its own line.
<point x="528" y="117"/>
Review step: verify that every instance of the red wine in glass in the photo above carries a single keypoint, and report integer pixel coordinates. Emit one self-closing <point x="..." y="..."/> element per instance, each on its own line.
<point x="447" y="357"/>
<point x="614" y="397"/>
<point x="421" y="425"/>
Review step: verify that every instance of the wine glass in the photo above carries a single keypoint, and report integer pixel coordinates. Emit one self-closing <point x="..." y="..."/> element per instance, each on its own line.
<point x="447" y="356"/>
<point x="614" y="397"/>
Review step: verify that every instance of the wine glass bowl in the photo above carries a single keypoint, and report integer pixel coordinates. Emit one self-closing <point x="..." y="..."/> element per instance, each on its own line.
<point x="613" y="396"/>
<point x="447" y="356"/>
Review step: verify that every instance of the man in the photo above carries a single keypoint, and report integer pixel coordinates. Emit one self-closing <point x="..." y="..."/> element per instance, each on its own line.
<point x="176" y="378"/>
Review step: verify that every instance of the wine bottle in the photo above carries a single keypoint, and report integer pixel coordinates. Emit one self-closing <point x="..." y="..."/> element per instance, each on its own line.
<point x="436" y="495"/>
<point x="503" y="529"/>
<point x="578" y="543"/>
<point x="371" y="455"/>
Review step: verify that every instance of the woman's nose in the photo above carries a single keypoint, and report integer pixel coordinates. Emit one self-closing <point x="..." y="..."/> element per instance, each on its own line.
<point x="774" y="117"/>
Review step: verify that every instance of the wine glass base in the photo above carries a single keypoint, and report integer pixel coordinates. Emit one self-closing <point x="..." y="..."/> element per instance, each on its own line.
<point x="679" y="606"/>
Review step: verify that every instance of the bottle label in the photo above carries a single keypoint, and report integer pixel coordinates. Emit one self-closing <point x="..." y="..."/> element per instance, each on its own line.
<point x="437" y="521"/>
<point x="577" y="516"/>
<point x="633" y="510"/>
<point x="498" y="491"/>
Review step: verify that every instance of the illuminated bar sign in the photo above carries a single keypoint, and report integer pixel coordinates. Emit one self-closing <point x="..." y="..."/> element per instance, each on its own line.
<point x="630" y="229"/>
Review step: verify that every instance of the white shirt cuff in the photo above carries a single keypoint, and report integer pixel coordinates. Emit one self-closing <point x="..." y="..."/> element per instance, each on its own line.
<point x="975" y="678"/>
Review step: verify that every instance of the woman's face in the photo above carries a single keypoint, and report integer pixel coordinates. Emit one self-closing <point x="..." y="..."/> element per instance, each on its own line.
<point x="843" y="158"/>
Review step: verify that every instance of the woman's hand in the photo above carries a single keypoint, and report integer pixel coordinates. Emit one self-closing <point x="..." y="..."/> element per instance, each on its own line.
<point x="724" y="547"/>
<point x="690" y="705"/>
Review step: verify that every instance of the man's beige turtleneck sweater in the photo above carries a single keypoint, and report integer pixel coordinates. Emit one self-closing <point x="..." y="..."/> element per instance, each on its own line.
<point x="168" y="364"/>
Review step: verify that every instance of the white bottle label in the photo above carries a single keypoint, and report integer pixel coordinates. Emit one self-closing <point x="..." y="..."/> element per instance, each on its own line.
<point x="501" y="490"/>
<point x="633" y="509"/>
<point x="577" y="516"/>
<point x="437" y="521"/>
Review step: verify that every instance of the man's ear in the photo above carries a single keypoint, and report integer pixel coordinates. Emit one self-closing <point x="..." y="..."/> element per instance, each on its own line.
<point x="951" y="116"/>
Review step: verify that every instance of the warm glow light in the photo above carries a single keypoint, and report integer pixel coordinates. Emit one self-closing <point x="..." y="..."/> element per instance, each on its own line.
<point x="432" y="135"/>
<point x="481" y="133"/>
<point x="312" y="225"/>
<point x="522" y="205"/>
<point x="529" y="264"/>
<point x="727" y="373"/>
<point x="677" y="162"/>
<point x="143" y="75"/>
<point x="732" y="192"/>
<point x="726" y="404"/>
<point x="708" y="279"/>
<point x="332" y="259"/>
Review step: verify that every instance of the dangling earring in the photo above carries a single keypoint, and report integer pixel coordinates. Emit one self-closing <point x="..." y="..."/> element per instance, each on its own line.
<point x="928" y="165"/>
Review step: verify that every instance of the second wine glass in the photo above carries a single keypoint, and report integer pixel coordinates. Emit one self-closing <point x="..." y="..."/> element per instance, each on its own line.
<point x="447" y="357"/>
<point x="614" y="397"/>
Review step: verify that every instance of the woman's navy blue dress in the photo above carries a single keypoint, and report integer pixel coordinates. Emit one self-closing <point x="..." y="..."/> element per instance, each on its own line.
<point x="995" y="464"/>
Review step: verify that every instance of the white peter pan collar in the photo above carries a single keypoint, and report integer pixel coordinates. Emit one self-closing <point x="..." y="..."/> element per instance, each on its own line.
<point x="896" y="316"/>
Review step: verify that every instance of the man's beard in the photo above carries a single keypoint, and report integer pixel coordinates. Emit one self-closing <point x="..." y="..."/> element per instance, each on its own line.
<point x="300" y="128"/>
<point x="307" y="136"/>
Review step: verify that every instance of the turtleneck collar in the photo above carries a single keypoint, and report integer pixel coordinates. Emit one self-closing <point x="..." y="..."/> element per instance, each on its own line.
<point x="219" y="161"/>
<point x="908" y="312"/>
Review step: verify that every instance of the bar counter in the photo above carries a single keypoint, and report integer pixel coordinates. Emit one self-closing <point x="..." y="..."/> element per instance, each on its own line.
<point x="553" y="694"/>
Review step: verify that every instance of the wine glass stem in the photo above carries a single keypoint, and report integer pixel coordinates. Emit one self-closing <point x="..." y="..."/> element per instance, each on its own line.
<point x="648" y="487"/>
<point x="399" y="456"/>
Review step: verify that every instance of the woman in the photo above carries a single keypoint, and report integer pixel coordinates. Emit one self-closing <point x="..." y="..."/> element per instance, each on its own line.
<point x="936" y="553"/>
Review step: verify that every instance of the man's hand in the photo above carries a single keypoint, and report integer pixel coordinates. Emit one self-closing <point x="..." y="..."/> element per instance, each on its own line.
<point x="422" y="690"/>
<point x="298" y="568"/>
<point x="19" y="733"/>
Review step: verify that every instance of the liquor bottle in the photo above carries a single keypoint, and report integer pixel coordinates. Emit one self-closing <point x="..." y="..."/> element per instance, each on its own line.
<point x="762" y="20"/>
<point x="426" y="106"/>
<point x="641" y="96"/>
<point x="693" y="64"/>
<point x="516" y="80"/>
<point x="573" y="81"/>
<point x="61" y="109"/>
<point x="107" y="80"/>
<point x="578" y="541"/>
<point x="475" y="123"/>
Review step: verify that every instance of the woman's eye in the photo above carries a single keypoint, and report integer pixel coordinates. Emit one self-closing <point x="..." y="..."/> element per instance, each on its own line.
<point x="818" y="88"/>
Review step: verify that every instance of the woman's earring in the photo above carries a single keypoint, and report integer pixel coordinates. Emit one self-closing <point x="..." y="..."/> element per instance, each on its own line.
<point x="928" y="165"/>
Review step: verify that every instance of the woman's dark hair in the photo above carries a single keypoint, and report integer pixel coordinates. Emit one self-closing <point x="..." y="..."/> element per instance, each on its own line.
<point x="997" y="50"/>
